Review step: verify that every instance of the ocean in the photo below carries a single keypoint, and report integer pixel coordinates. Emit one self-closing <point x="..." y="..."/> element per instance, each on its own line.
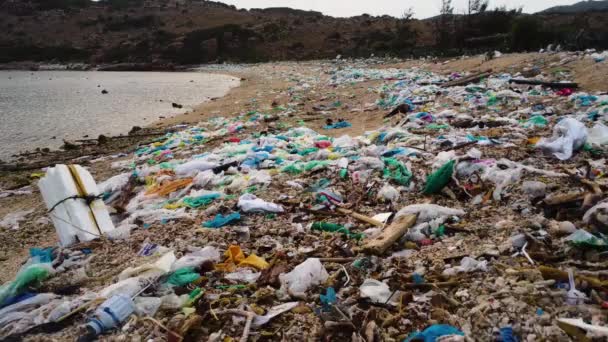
<point x="40" y="109"/>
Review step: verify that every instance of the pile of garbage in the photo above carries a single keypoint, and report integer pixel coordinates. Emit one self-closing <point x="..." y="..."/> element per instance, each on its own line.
<point x="478" y="211"/>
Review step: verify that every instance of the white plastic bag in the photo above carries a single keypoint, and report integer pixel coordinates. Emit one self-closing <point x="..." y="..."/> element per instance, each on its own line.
<point x="250" y="203"/>
<point x="569" y="135"/>
<point x="467" y="265"/>
<point x="388" y="193"/>
<point x="11" y="220"/>
<point x="428" y="212"/>
<point x="309" y="273"/>
<point x="243" y="275"/>
<point x="197" y="258"/>
<point x="598" y="135"/>
<point x="194" y="166"/>
<point x="376" y="291"/>
<point x="147" y="306"/>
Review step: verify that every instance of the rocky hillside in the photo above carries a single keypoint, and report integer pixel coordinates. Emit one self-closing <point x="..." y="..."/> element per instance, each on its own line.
<point x="580" y="7"/>
<point x="176" y="32"/>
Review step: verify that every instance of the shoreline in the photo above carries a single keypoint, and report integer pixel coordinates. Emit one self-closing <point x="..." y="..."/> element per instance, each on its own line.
<point x="154" y="122"/>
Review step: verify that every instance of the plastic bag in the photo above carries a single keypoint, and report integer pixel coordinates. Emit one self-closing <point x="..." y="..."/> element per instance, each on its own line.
<point x="467" y="264"/>
<point x="251" y="203"/>
<point x="434" y="332"/>
<point x="428" y="212"/>
<point x="29" y="275"/>
<point x="197" y="258"/>
<point x="584" y="239"/>
<point x="235" y="256"/>
<point x="336" y="228"/>
<point x="195" y="202"/>
<point x="377" y="292"/>
<point x="183" y="276"/>
<point x="147" y="306"/>
<point x="309" y="273"/>
<point x="569" y="135"/>
<point x="273" y="312"/>
<point x="439" y="179"/>
<point x="396" y="171"/>
<point x="388" y="193"/>
<point x="243" y="276"/>
<point x="221" y="220"/>
<point x="598" y="135"/>
<point x="598" y="214"/>
<point x="11" y="220"/>
<point x="194" y="166"/>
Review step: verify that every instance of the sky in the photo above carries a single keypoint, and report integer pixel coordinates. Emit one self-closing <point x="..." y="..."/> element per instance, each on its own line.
<point x="422" y="8"/>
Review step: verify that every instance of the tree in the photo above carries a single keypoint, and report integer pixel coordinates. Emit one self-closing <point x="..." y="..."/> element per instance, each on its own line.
<point x="446" y="8"/>
<point x="478" y="6"/>
<point x="408" y="14"/>
<point x="443" y="23"/>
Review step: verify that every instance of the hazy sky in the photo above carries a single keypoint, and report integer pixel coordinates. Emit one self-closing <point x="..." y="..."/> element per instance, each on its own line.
<point x="422" y="8"/>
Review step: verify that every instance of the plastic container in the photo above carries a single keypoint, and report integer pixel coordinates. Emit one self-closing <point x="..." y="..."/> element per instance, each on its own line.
<point x="110" y="314"/>
<point x="74" y="218"/>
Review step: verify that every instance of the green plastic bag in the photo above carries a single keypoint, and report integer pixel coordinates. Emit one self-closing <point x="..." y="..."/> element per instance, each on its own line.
<point x="336" y="228"/>
<point x="396" y="171"/>
<point x="439" y="179"/>
<point x="315" y="165"/>
<point x="195" y="202"/>
<point x="31" y="275"/>
<point x="183" y="276"/>
<point x="294" y="169"/>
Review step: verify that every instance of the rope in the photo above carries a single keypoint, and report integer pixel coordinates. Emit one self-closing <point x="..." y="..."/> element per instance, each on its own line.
<point x="87" y="198"/>
<point x="74" y="226"/>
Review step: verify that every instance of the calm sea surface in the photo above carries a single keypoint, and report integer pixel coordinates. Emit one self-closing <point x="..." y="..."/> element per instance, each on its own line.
<point x="37" y="106"/>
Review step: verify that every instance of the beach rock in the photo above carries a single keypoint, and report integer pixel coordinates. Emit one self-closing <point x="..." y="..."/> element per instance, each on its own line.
<point x="102" y="139"/>
<point x="176" y="105"/>
<point x="134" y="130"/>
<point x="104" y="91"/>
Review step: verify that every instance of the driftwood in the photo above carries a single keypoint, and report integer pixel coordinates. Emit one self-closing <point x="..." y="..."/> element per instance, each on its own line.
<point x="467" y="80"/>
<point x="402" y="108"/>
<point x="390" y="235"/>
<point x="95" y="140"/>
<point x="557" y="85"/>
<point x="556" y="274"/>
<point x="360" y="217"/>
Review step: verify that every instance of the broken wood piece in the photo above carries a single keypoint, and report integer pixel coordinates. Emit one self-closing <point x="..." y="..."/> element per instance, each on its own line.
<point x="429" y="286"/>
<point x="403" y="108"/>
<point x="556" y="274"/>
<point x="468" y="79"/>
<point x="390" y="235"/>
<point x="557" y="85"/>
<point x="559" y="199"/>
<point x="337" y="260"/>
<point x="361" y="217"/>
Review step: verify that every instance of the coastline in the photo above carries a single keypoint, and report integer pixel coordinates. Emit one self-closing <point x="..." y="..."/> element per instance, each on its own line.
<point x="135" y="113"/>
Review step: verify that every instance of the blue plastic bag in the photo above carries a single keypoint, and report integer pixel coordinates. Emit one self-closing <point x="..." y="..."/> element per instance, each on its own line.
<point x="432" y="333"/>
<point x="221" y="220"/>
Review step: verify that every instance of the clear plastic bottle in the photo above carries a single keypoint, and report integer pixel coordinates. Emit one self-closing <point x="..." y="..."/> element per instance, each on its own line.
<point x="109" y="315"/>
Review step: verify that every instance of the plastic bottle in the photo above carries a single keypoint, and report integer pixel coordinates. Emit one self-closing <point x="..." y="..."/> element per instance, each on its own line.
<point x="109" y="315"/>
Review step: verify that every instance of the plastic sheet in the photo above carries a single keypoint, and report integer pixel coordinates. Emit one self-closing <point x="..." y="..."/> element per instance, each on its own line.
<point x="569" y="135"/>
<point x="309" y="273"/>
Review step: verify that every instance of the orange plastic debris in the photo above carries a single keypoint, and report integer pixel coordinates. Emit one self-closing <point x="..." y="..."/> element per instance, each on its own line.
<point x="235" y="256"/>
<point x="167" y="188"/>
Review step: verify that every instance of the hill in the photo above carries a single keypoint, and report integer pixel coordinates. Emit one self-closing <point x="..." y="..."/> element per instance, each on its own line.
<point x="580" y="7"/>
<point x="164" y="33"/>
